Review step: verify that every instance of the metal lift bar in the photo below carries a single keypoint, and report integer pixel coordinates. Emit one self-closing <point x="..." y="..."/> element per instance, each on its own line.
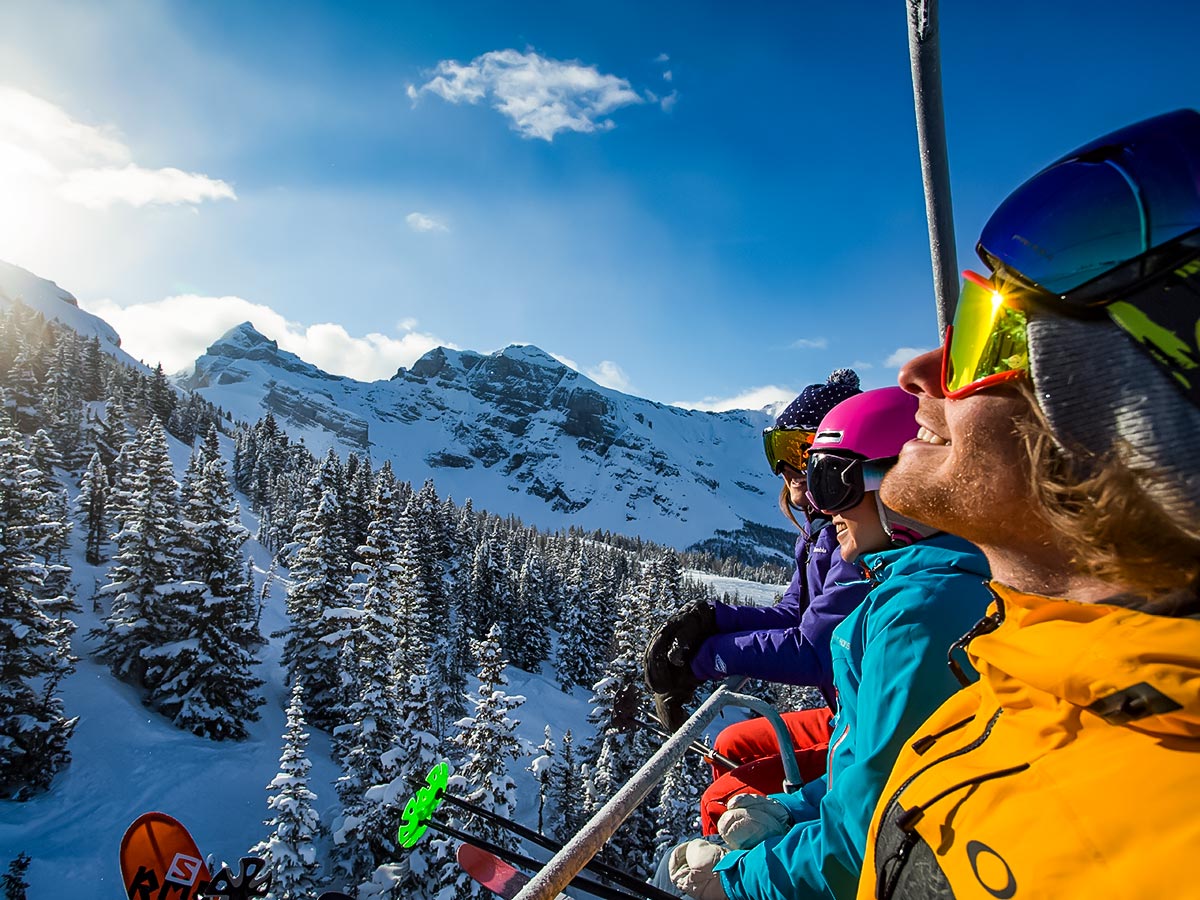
<point x="558" y="872"/>
<point x="925" y="60"/>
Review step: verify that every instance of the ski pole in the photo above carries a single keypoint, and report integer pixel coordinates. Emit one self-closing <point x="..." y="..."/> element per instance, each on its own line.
<point x="600" y="868"/>
<point x="709" y="755"/>
<point x="427" y="798"/>
<point x="584" y="884"/>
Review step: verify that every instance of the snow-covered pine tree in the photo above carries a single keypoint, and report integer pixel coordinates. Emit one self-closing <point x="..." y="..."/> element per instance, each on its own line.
<point x="13" y="881"/>
<point x="620" y="745"/>
<point x="542" y="769"/>
<point x="111" y="434"/>
<point x="567" y="812"/>
<point x="315" y="604"/>
<point x="577" y="661"/>
<point x="35" y="657"/>
<point x="290" y="850"/>
<point x="416" y="745"/>
<point x="359" y="491"/>
<point x="22" y="391"/>
<point x="668" y="581"/>
<point x="204" y="679"/>
<point x="487" y="748"/>
<point x="435" y="545"/>
<point x="92" y="503"/>
<point x="530" y="617"/>
<point x="678" y="809"/>
<point x="333" y="476"/>
<point x="147" y="557"/>
<point x="370" y="719"/>
<point x="91" y="369"/>
<point x="449" y="662"/>
<point x="160" y="396"/>
<point x="486" y="594"/>
<point x="121" y="475"/>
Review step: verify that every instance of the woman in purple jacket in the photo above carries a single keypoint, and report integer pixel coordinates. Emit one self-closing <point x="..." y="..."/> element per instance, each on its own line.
<point x="787" y="642"/>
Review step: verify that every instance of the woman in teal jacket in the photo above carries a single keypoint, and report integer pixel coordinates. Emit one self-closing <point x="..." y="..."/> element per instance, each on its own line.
<point x="890" y="671"/>
<point x="889" y="664"/>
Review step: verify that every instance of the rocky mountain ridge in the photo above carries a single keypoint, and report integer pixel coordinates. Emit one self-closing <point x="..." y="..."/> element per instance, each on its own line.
<point x="515" y="430"/>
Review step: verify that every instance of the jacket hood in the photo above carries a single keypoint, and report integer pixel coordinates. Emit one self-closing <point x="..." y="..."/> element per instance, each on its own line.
<point x="1127" y="666"/>
<point x="941" y="551"/>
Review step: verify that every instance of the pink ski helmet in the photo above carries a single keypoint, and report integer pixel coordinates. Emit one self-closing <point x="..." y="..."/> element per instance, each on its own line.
<point x="856" y="443"/>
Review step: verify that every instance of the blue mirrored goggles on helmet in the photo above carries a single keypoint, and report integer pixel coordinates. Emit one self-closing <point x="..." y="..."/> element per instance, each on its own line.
<point x="1113" y="229"/>
<point x="837" y="482"/>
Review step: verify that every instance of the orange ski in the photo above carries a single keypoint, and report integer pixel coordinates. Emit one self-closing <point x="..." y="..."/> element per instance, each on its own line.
<point x="160" y="861"/>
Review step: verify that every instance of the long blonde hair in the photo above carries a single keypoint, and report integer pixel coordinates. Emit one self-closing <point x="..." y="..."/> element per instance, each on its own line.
<point x="1109" y="524"/>
<point x="785" y="504"/>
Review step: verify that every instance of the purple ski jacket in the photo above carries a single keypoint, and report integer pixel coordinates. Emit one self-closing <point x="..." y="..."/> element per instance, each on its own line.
<point x="789" y="642"/>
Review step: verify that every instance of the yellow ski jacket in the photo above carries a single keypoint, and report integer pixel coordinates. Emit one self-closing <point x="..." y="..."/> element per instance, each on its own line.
<point x="1070" y="769"/>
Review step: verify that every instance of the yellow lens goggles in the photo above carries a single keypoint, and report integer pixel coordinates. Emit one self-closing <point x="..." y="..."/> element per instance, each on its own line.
<point x="787" y="445"/>
<point x="987" y="344"/>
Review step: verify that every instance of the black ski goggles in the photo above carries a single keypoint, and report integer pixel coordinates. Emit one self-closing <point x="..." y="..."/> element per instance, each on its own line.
<point x="838" y="482"/>
<point x="787" y="445"/>
<point x="1113" y="229"/>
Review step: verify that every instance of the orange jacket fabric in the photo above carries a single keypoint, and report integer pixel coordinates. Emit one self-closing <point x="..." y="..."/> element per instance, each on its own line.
<point x="1070" y="769"/>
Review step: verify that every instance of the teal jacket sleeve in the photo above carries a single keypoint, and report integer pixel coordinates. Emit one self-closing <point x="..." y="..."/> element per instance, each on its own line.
<point x="805" y="803"/>
<point x="903" y="679"/>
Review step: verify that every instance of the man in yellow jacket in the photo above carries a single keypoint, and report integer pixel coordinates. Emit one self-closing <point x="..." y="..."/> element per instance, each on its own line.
<point x="1060" y="432"/>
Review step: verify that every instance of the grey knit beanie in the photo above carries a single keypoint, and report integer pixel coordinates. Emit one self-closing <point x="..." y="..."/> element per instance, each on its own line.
<point x="1099" y="390"/>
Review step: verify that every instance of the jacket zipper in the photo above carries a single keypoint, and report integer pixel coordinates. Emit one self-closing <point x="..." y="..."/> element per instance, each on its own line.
<point x="897" y="859"/>
<point x="986" y="625"/>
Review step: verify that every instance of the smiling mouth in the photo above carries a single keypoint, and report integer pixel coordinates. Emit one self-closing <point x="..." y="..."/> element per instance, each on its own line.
<point x="840" y="526"/>
<point x="925" y="436"/>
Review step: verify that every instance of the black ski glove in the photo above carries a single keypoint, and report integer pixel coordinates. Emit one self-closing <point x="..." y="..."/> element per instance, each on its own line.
<point x="670" y="708"/>
<point x="668" y="657"/>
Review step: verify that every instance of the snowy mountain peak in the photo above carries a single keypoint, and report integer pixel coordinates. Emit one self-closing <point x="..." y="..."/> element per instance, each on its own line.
<point x="245" y="336"/>
<point x="243" y="352"/>
<point x="531" y="354"/>
<point x="517" y="431"/>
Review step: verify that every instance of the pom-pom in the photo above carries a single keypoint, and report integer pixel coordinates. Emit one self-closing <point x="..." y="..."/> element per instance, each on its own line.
<point x="845" y="377"/>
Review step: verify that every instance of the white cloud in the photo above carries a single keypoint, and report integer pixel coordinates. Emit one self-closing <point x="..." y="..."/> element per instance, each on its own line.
<point x="178" y="329"/>
<point x="667" y="75"/>
<point x="668" y="102"/>
<point x="810" y="343"/>
<point x="85" y="164"/>
<point x="101" y="188"/>
<point x="541" y="97"/>
<point x="755" y="398"/>
<point x="421" y="222"/>
<point x="608" y="374"/>
<point x="662" y="58"/>
<point x="861" y="364"/>
<point x="901" y="355"/>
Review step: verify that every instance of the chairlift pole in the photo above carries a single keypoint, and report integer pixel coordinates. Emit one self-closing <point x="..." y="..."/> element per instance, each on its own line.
<point x="925" y="58"/>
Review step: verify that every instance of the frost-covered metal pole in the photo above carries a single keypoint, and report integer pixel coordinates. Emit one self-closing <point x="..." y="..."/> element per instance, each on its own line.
<point x="575" y="854"/>
<point x="925" y="58"/>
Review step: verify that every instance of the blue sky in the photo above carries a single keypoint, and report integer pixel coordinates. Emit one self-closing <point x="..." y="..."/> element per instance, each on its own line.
<point x="700" y="203"/>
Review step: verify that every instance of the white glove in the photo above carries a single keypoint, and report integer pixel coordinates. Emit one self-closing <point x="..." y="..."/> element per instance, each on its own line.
<point x="752" y="818"/>
<point x="691" y="869"/>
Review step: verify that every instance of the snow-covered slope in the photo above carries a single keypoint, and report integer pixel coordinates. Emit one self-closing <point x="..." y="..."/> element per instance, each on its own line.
<point x="127" y="760"/>
<point x="517" y="432"/>
<point x="18" y="285"/>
